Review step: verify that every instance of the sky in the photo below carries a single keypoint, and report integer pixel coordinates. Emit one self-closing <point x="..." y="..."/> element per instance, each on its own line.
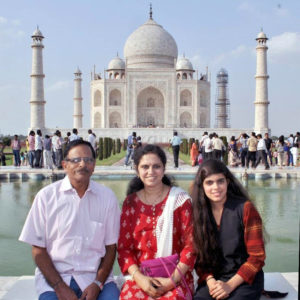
<point x="217" y="34"/>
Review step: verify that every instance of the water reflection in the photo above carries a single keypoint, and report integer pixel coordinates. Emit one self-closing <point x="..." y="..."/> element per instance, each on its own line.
<point x="277" y="201"/>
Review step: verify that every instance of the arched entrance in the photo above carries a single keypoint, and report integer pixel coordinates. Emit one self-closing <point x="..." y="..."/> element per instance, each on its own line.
<point x="186" y="120"/>
<point x="150" y="108"/>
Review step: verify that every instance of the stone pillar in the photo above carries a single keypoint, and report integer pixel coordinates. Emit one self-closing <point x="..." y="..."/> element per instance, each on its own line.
<point x="261" y="103"/>
<point x="77" y="116"/>
<point x="37" y="102"/>
<point x="222" y="103"/>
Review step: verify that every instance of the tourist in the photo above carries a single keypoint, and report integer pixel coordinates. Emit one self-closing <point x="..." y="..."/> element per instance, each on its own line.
<point x="73" y="227"/>
<point x="156" y="221"/>
<point x="47" y="154"/>
<point x="280" y="150"/>
<point x="74" y="136"/>
<point x="290" y="144"/>
<point x="194" y="152"/>
<point x="57" y="142"/>
<point x="252" y="148"/>
<point x="262" y="152"/>
<point x="38" y="149"/>
<point x="201" y="146"/>
<point x="268" y="143"/>
<point x="2" y="159"/>
<point x="228" y="236"/>
<point x="294" y="149"/>
<point x="16" y="147"/>
<point x="175" y="143"/>
<point x="232" y="153"/>
<point x="31" y="148"/>
<point x="129" y="147"/>
<point x="244" y="148"/>
<point x="218" y="146"/>
<point x="92" y="139"/>
<point x="208" y="147"/>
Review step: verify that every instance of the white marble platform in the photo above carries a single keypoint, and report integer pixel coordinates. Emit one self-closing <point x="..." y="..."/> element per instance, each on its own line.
<point x="22" y="288"/>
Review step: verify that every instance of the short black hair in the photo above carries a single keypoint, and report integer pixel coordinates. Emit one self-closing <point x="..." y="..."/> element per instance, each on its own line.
<point x="74" y="130"/>
<point x="77" y="143"/>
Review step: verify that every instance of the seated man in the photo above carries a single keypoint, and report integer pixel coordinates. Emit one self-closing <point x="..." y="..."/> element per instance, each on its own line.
<point x="73" y="227"/>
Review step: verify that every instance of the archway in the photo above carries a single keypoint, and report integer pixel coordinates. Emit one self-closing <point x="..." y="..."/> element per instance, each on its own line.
<point x="97" y="98"/>
<point x="150" y="108"/>
<point x="186" y="120"/>
<point x="185" y="98"/>
<point x="97" y="120"/>
<point x="115" y="120"/>
<point x="115" y="98"/>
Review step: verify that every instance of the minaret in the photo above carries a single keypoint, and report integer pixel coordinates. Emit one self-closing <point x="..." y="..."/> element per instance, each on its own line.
<point x="77" y="116"/>
<point x="222" y="103"/>
<point x="37" y="102"/>
<point x="261" y="103"/>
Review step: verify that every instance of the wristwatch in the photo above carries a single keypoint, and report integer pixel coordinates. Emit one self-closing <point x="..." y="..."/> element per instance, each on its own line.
<point x="99" y="284"/>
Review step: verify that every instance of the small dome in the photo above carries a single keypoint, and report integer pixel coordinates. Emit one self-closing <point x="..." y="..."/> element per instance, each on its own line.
<point x="261" y="35"/>
<point x="150" y="45"/>
<point x="223" y="72"/>
<point x="37" y="33"/>
<point x="77" y="71"/>
<point x="116" y="64"/>
<point x="183" y="64"/>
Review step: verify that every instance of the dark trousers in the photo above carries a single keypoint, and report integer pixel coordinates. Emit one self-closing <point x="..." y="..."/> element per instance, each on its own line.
<point x="244" y="156"/>
<point x="175" y="155"/>
<point x="262" y="155"/>
<point x="38" y="155"/>
<point x="243" y="292"/>
<point x="217" y="154"/>
<point x="251" y="155"/>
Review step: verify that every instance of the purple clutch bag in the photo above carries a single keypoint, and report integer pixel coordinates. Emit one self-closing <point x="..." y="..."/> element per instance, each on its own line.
<point x="160" y="267"/>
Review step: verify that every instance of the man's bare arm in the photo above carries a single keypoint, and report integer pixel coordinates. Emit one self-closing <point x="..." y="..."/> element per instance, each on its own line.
<point x="46" y="266"/>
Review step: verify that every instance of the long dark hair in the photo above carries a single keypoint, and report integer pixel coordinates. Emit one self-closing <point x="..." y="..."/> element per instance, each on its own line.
<point x="136" y="183"/>
<point x="205" y="231"/>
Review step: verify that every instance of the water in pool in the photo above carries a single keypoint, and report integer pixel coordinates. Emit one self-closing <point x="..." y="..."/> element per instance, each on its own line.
<point x="277" y="200"/>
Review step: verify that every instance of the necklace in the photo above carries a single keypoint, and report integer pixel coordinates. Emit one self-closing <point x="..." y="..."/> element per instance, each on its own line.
<point x="159" y="197"/>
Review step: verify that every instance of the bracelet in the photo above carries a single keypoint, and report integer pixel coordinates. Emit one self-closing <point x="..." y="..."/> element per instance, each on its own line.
<point x="56" y="284"/>
<point x="134" y="272"/>
<point x="99" y="284"/>
<point x="209" y="278"/>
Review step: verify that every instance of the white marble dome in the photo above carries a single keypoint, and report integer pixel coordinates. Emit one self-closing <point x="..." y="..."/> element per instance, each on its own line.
<point x="150" y="46"/>
<point x="116" y="63"/>
<point x="222" y="72"/>
<point x="184" y="64"/>
<point x="261" y="35"/>
<point x="37" y="33"/>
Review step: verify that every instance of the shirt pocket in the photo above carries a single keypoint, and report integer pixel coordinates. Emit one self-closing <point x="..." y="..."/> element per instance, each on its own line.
<point x="95" y="236"/>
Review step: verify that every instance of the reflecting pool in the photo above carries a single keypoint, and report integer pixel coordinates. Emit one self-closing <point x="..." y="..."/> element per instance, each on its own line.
<point x="277" y="200"/>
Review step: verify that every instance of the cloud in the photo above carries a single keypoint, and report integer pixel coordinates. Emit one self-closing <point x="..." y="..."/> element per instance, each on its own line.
<point x="285" y="48"/>
<point x="10" y="32"/>
<point x="59" y="85"/>
<point x="3" y="20"/>
<point x="245" y="6"/>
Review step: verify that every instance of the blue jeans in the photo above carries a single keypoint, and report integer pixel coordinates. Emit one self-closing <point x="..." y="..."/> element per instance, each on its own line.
<point x="31" y="157"/>
<point x="17" y="157"/>
<point x="109" y="292"/>
<point x="129" y="153"/>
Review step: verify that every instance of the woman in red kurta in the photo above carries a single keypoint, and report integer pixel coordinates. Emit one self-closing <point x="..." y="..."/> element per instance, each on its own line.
<point x="148" y="196"/>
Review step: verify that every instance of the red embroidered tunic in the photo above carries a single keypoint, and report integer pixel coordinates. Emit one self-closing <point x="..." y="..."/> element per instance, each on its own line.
<point x="137" y="242"/>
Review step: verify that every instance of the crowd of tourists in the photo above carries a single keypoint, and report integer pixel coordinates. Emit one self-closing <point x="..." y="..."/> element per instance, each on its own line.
<point x="246" y="151"/>
<point x="45" y="151"/>
<point x="162" y="234"/>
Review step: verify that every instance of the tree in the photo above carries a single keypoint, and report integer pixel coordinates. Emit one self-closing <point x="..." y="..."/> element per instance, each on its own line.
<point x="6" y="142"/>
<point x="118" y="146"/>
<point x="101" y="148"/>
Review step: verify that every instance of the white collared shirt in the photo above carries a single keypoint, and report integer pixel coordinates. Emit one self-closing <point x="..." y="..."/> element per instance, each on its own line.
<point x="74" y="230"/>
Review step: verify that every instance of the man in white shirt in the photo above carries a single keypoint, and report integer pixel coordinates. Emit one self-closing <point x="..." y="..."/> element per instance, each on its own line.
<point x="38" y="149"/>
<point x="74" y="136"/>
<point x="92" y="139"/>
<point x="262" y="152"/>
<point x="208" y="147"/>
<point x="73" y="227"/>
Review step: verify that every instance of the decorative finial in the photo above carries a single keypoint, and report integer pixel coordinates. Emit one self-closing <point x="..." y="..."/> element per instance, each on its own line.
<point x="261" y="29"/>
<point x="183" y="55"/>
<point x="150" y="11"/>
<point x="117" y="54"/>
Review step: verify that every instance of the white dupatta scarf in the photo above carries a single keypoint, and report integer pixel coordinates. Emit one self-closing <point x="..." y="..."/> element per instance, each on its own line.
<point x="164" y="226"/>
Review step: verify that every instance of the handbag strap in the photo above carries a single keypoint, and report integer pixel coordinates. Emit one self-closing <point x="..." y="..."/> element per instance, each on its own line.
<point x="170" y="275"/>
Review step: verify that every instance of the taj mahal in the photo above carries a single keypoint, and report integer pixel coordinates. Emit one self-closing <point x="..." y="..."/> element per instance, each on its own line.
<point x="152" y="91"/>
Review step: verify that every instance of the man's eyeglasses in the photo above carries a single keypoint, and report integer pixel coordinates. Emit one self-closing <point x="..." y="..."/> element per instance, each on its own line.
<point x="76" y="160"/>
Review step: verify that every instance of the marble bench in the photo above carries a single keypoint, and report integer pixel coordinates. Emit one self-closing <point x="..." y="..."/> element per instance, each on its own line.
<point x="22" y="288"/>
